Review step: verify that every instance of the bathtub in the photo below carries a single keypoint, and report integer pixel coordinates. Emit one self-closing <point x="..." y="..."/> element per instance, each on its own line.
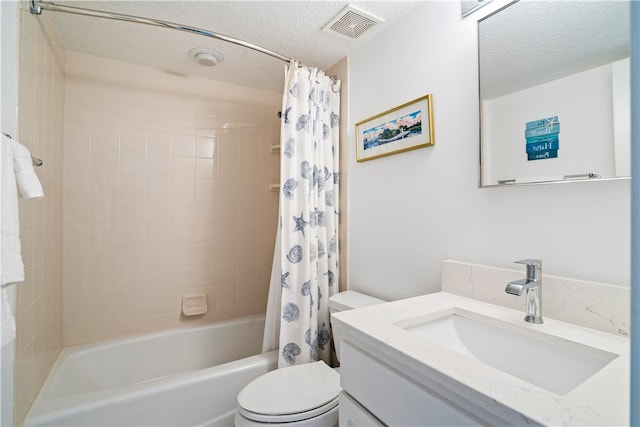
<point x="182" y="377"/>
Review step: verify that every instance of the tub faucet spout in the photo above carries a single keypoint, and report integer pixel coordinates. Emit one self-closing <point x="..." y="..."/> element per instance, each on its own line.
<point x="533" y="285"/>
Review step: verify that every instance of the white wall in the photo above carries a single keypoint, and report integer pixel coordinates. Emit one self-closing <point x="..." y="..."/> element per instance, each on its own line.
<point x="621" y="75"/>
<point x="411" y="210"/>
<point x="583" y="104"/>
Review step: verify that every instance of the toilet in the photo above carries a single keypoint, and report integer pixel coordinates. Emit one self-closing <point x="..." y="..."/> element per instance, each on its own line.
<point x="300" y="395"/>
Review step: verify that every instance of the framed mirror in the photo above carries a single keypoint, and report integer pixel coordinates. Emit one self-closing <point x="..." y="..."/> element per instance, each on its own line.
<point x="554" y="92"/>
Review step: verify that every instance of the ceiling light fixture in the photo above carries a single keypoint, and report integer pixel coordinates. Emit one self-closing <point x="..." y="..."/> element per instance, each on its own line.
<point x="205" y="56"/>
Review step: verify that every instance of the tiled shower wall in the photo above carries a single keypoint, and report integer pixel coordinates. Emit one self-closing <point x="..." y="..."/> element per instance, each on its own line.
<point x="166" y="194"/>
<point x="41" y="83"/>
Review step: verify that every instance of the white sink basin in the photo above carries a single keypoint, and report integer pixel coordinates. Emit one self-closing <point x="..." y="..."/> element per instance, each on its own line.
<point x="554" y="364"/>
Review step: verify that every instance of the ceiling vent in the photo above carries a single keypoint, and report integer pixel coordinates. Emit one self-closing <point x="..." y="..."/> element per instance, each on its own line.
<point x="351" y="23"/>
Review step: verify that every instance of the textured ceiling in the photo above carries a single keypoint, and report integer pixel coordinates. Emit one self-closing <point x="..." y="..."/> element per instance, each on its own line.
<point x="290" y="28"/>
<point x="534" y="42"/>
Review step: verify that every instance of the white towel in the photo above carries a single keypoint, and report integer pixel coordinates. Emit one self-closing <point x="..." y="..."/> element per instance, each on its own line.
<point x="16" y="169"/>
<point x="8" y="322"/>
<point x="27" y="180"/>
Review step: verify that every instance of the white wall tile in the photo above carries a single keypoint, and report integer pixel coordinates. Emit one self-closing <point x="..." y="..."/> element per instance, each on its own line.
<point x="183" y="145"/>
<point x="158" y="164"/>
<point x="183" y="167"/>
<point x="77" y="134"/>
<point x="105" y="136"/>
<point x="149" y="218"/>
<point x="133" y="139"/>
<point x="77" y="211"/>
<point x="78" y="110"/>
<point x="133" y="163"/>
<point x="158" y="141"/>
<point x="77" y="159"/>
<point x="41" y="121"/>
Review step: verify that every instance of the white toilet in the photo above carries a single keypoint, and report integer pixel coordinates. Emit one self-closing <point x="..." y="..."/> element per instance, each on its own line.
<point x="300" y="395"/>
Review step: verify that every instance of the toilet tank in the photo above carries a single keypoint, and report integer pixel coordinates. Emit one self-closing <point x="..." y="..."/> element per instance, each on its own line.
<point x="348" y="300"/>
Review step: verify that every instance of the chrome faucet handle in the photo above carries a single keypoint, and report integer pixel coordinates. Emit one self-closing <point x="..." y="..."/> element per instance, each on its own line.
<point x="530" y="261"/>
<point x="534" y="266"/>
<point x="533" y="285"/>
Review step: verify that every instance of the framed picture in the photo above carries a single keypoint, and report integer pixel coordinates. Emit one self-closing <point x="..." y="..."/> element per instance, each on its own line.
<point x="403" y="128"/>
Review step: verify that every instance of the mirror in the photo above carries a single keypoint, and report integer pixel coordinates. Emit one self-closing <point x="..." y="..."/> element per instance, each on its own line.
<point x="554" y="92"/>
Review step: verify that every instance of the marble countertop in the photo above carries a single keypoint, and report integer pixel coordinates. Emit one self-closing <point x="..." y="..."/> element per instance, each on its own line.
<point x="603" y="399"/>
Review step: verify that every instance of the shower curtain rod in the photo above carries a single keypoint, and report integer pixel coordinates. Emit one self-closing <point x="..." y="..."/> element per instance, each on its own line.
<point x="36" y="8"/>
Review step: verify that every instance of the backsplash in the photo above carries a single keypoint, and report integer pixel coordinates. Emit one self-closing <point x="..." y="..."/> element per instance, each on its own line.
<point x="593" y="305"/>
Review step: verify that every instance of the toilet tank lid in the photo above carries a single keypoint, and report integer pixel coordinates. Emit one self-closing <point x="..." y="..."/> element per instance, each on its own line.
<point x="350" y="299"/>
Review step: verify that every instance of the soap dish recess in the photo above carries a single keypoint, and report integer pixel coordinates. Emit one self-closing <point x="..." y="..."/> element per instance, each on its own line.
<point x="194" y="305"/>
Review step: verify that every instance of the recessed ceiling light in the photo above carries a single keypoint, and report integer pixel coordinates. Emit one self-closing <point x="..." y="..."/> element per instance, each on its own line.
<point x="205" y="56"/>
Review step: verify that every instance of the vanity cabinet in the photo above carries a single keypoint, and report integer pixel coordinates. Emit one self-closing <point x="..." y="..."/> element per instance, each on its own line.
<point x="377" y="394"/>
<point x="400" y="366"/>
<point x="353" y="414"/>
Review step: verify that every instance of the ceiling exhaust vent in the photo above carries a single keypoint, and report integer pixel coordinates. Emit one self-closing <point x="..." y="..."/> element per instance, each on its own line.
<point x="351" y="23"/>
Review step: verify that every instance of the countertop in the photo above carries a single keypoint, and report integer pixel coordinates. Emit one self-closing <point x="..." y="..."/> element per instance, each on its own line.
<point x="603" y="399"/>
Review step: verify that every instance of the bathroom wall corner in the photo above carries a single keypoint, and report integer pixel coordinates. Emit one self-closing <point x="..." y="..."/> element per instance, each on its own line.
<point x="40" y="113"/>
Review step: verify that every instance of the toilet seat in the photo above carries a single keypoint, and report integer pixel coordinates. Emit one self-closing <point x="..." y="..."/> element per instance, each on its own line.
<point x="291" y="394"/>
<point x="288" y="418"/>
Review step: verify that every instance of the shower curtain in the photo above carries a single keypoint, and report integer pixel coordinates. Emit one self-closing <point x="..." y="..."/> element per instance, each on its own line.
<point x="305" y="268"/>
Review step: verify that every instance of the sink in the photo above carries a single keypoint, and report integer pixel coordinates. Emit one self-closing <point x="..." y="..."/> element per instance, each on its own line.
<point x="555" y="364"/>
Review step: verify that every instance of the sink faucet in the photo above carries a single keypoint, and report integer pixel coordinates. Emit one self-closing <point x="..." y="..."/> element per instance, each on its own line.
<point x="533" y="286"/>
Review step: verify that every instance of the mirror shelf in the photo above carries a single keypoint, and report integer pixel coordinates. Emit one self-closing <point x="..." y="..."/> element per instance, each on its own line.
<point x="545" y="181"/>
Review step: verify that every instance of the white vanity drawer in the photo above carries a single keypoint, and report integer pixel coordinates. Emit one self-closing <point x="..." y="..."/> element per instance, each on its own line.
<point x="352" y="414"/>
<point x="394" y="398"/>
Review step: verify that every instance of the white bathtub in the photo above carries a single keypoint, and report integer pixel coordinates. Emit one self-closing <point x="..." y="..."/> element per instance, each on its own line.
<point x="182" y="377"/>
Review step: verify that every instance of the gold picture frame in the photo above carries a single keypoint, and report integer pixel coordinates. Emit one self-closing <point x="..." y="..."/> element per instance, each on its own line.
<point x="403" y="128"/>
